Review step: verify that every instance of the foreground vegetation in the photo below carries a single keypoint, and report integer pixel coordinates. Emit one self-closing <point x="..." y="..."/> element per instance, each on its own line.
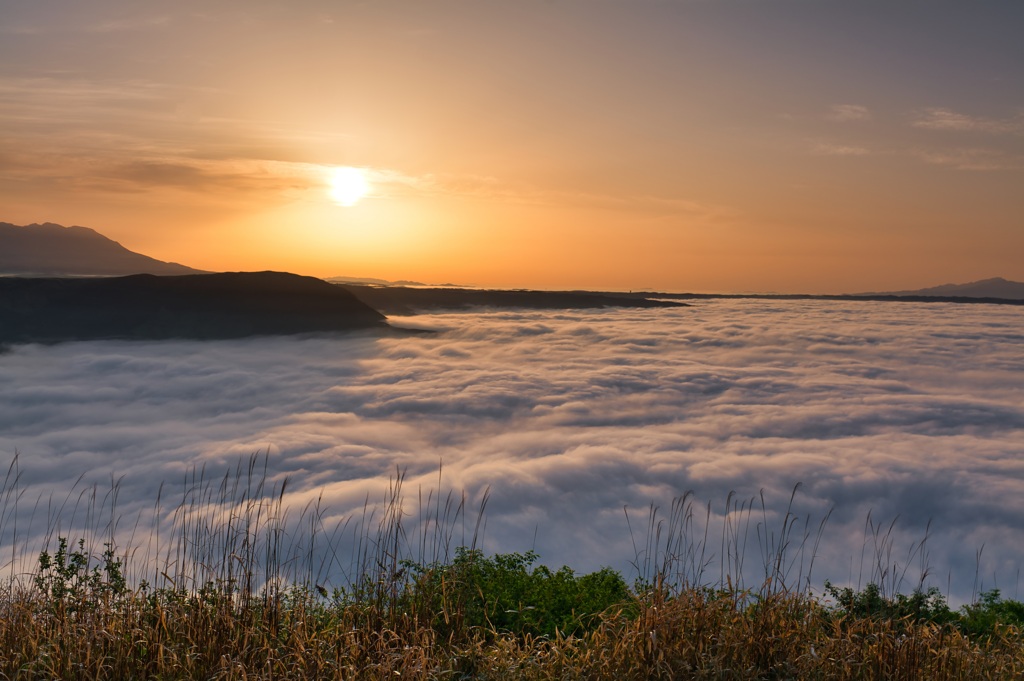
<point x="230" y="598"/>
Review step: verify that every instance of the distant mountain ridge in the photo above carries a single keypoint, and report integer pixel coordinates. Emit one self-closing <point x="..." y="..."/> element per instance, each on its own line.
<point x="50" y="249"/>
<point x="996" y="287"/>
<point x="404" y="300"/>
<point x="371" y="281"/>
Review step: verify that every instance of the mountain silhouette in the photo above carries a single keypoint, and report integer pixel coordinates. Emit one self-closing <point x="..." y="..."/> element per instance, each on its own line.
<point x="198" y="306"/>
<point x="49" y="249"/>
<point x="997" y="287"/>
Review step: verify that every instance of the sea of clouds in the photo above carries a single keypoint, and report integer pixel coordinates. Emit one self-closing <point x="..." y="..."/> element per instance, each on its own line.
<point x="882" y="412"/>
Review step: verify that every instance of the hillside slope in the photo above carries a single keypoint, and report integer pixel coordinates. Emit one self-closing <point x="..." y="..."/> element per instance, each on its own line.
<point x="202" y="306"/>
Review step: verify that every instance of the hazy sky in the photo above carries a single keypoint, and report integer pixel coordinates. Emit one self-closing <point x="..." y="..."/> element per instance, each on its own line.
<point x="676" y="144"/>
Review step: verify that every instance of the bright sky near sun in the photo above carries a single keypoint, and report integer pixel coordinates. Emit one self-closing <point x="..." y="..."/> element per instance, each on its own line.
<point x="683" y="145"/>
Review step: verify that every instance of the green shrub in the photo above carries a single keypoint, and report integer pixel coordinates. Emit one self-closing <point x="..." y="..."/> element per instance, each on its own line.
<point x="66" y="580"/>
<point x="982" y="618"/>
<point x="507" y="594"/>
<point x="978" y="620"/>
<point x="920" y="606"/>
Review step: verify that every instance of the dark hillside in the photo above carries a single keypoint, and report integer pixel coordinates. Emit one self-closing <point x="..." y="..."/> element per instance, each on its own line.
<point x="202" y="306"/>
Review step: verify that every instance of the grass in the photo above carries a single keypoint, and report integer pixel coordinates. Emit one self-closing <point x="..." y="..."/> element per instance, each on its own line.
<point x="231" y="584"/>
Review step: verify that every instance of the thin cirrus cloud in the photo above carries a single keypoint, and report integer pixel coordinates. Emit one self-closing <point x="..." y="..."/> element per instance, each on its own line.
<point x="897" y="410"/>
<point x="91" y="136"/>
<point x="976" y="158"/>
<point x="844" y="113"/>
<point x="830" y="149"/>
<point x="973" y="159"/>
<point x="949" y="120"/>
<point x="75" y="134"/>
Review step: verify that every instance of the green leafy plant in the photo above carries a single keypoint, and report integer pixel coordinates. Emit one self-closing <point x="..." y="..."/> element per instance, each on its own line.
<point x="922" y="605"/>
<point x="65" y="578"/>
<point x="982" y="618"/>
<point x="506" y="593"/>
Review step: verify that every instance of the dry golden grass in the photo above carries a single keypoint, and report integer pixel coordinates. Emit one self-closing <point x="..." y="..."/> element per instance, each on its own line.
<point x="220" y="604"/>
<point x="696" y="634"/>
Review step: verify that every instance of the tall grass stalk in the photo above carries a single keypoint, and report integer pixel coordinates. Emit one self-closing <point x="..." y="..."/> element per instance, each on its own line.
<point x="224" y="580"/>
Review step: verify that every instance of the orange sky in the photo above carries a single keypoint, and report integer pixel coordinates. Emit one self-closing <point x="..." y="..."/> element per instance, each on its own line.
<point x="674" y="145"/>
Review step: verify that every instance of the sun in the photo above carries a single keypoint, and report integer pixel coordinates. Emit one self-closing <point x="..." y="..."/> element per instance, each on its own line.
<point x="346" y="185"/>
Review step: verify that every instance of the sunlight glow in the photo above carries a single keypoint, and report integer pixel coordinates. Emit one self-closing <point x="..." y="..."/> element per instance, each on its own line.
<point x="346" y="185"/>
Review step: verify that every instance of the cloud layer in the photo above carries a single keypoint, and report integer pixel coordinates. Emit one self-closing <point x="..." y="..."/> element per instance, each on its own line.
<point x="893" y="410"/>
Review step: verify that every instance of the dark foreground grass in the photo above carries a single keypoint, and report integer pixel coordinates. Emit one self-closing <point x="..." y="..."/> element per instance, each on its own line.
<point x="231" y="590"/>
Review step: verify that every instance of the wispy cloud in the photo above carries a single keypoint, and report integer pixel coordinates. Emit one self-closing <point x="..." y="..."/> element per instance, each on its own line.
<point x="491" y="187"/>
<point x="844" y="113"/>
<point x="949" y="120"/>
<point x="127" y="24"/>
<point x="243" y="176"/>
<point x="128" y="136"/>
<point x="833" y="149"/>
<point x="981" y="160"/>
